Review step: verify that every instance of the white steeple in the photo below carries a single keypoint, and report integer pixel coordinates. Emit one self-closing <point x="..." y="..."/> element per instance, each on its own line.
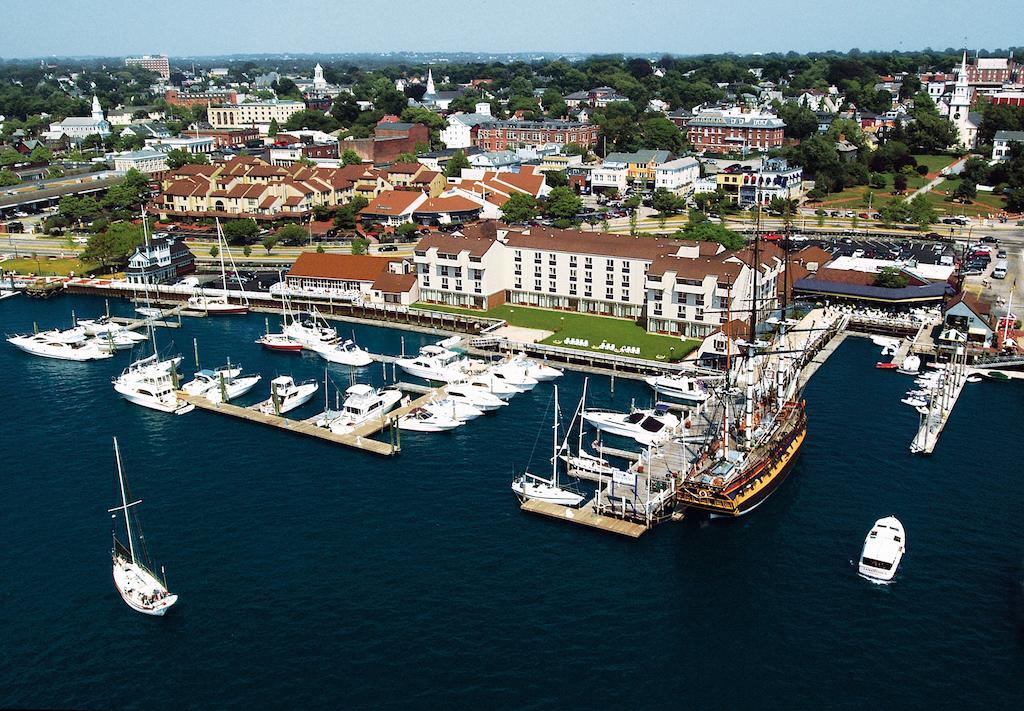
<point x="318" y="76"/>
<point x="430" y="83"/>
<point x="97" y="110"/>
<point x="960" y="107"/>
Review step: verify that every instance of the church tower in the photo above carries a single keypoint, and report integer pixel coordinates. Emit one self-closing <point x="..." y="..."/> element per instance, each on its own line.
<point x="430" y="83"/>
<point x="960" y="107"/>
<point x="97" y="110"/>
<point x="318" y="77"/>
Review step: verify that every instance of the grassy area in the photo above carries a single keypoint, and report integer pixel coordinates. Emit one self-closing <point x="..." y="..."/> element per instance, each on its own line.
<point x="856" y="196"/>
<point x="47" y="266"/>
<point x="570" y="324"/>
<point x="934" y="163"/>
<point x="982" y="205"/>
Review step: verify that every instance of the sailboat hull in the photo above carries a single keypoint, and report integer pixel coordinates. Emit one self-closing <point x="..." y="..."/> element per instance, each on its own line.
<point x="133" y="584"/>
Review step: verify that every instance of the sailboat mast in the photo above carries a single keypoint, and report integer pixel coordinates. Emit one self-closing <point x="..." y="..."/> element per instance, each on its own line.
<point x="554" y="444"/>
<point x="583" y="408"/>
<point x="221" y="248"/>
<point x="124" y="501"/>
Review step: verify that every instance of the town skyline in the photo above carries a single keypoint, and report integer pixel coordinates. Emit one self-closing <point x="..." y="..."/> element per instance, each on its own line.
<point x="680" y="29"/>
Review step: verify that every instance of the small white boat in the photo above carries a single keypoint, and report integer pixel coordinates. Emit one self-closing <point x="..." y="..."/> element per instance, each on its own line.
<point x="423" y="419"/>
<point x="362" y="403"/>
<point x="645" y="426"/>
<point x="279" y="342"/>
<point x="222" y="384"/>
<point x="478" y="397"/>
<point x="346" y="353"/>
<point x="539" y="371"/>
<point x="489" y="383"/>
<point x="7" y="293"/>
<point x="454" y="408"/>
<point x="883" y="550"/>
<point x="149" y="311"/>
<point x="215" y="305"/>
<point x="915" y="402"/>
<point x="911" y="365"/>
<point x="150" y="382"/>
<point x="138" y="586"/>
<point x="311" y="330"/>
<point x="529" y="486"/>
<point x="286" y="395"/>
<point x="104" y="324"/>
<point x="677" y="386"/>
<point x="438" y="364"/>
<point x="118" y="340"/>
<point x="51" y="344"/>
<point x="514" y="374"/>
<point x="586" y="463"/>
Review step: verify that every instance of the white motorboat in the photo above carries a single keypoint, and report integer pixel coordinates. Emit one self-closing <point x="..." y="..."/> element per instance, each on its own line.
<point x="438" y="364"/>
<point x="222" y="384"/>
<point x="104" y="324"/>
<point x="139" y="586"/>
<point x="541" y="372"/>
<point x="513" y="373"/>
<point x="915" y="402"/>
<point x="883" y="550"/>
<point x="424" y="419"/>
<point x="478" y="397"/>
<point x="286" y="395"/>
<point x="52" y="344"/>
<point x="7" y="293"/>
<point x="150" y="382"/>
<point x="586" y="463"/>
<point x="488" y="383"/>
<point x="454" y="408"/>
<point x="118" y="340"/>
<point x="311" y="330"/>
<point x="911" y="365"/>
<point x="362" y="403"/>
<point x="645" y="426"/>
<point x="149" y="311"/>
<point x="529" y="486"/>
<point x="345" y="352"/>
<point x="681" y="387"/>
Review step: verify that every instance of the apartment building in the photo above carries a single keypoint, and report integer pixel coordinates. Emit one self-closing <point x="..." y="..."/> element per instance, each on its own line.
<point x="509" y="135"/>
<point x="258" y="114"/>
<point x="153" y="63"/>
<point x="200" y="98"/>
<point x="677" y="287"/>
<point x="774" y="178"/>
<point x="734" y="130"/>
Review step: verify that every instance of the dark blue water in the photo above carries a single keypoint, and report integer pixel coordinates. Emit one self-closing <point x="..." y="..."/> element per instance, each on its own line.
<point x="314" y="576"/>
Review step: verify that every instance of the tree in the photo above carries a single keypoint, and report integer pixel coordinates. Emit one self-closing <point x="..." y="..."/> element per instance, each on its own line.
<point x="291" y="234"/>
<point x="458" y="161"/>
<point x="891" y="278"/>
<point x="406" y="231"/>
<point x="7" y="177"/>
<point x="1015" y="200"/>
<point x="113" y="245"/>
<point x="345" y="109"/>
<point x="406" y="157"/>
<point x="78" y="211"/>
<point x="274" y="128"/>
<point x="345" y="217"/>
<point x="360" y="245"/>
<point x="899" y="182"/>
<point x="555" y="178"/>
<point x="562" y="204"/>
<point x="966" y="191"/>
<point x="241" y="231"/>
<point x="247" y="250"/>
<point x="350" y="157"/>
<point x="40" y="154"/>
<point x="214" y="251"/>
<point x="666" y="202"/>
<point x="520" y="207"/>
<point x="922" y="213"/>
<point x="320" y="248"/>
<point x="929" y="132"/>
<point x="896" y="210"/>
<point x="800" y="121"/>
<point x="574" y="149"/>
<point x="311" y="119"/>
<point x="705" y="231"/>
<point x="269" y="242"/>
<point x="178" y="157"/>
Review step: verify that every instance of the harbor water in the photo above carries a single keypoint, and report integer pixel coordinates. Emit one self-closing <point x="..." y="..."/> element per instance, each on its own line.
<point x="311" y="575"/>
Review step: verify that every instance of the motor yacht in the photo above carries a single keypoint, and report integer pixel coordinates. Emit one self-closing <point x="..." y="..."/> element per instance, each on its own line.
<point x="478" y="397"/>
<point x="539" y="371"/>
<point x="424" y="419"/>
<point x="52" y="344"/>
<point x="883" y="550"/>
<point x="438" y="364"/>
<point x="677" y="386"/>
<point x="514" y="374"/>
<point x="222" y="384"/>
<point x="454" y="408"/>
<point x="647" y="427"/>
<point x="150" y="382"/>
<point x="362" y="403"/>
<point x="345" y="353"/>
<point x="286" y="395"/>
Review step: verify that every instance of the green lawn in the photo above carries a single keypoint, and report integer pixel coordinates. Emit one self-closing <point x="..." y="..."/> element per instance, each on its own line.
<point x="570" y="324"/>
<point x="47" y="266"/>
<point x="934" y="163"/>
<point x="983" y="205"/>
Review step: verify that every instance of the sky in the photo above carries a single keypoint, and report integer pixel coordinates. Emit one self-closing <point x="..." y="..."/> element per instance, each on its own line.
<point x="219" y="27"/>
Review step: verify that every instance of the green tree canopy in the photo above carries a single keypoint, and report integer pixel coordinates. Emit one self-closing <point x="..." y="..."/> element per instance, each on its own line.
<point x="292" y="234"/>
<point x="562" y="204"/>
<point x="520" y="207"/>
<point x="453" y="168"/>
<point x="178" y="157"/>
<point x="114" y="245"/>
<point x="241" y="231"/>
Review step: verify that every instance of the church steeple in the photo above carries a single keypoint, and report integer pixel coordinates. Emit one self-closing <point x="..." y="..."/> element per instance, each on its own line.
<point x="97" y="110"/>
<point x="430" y="83"/>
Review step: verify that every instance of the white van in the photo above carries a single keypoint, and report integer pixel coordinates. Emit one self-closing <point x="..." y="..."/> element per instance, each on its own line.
<point x="1000" y="270"/>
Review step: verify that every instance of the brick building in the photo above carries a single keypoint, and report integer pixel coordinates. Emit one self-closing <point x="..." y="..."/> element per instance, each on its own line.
<point x="158" y="64"/>
<point x="390" y="139"/>
<point x="734" y="131"/>
<point x="227" y="138"/>
<point x="199" y="98"/>
<point x="509" y="135"/>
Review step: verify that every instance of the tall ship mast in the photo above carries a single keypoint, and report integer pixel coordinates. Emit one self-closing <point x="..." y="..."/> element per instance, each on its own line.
<point x="743" y="458"/>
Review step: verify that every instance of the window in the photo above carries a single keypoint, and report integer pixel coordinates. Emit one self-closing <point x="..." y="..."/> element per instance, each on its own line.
<point x="536" y="285"/>
<point x="572" y="275"/>
<point x="588" y="262"/>
<point x="519" y="256"/>
<point x="551" y="273"/>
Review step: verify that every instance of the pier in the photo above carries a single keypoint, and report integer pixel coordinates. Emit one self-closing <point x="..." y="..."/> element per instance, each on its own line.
<point x="586" y="516"/>
<point x="943" y="398"/>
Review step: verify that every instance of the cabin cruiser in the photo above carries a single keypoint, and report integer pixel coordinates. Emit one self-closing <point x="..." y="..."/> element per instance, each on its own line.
<point x="437" y="363"/>
<point x="645" y="426"/>
<point x="346" y="353"/>
<point x="222" y="384"/>
<point x="362" y="403"/>
<point x="478" y="397"/>
<point x="49" y="344"/>
<point x="103" y="325"/>
<point x="424" y="419"/>
<point x="150" y="382"/>
<point x="279" y="342"/>
<point x="311" y="330"/>
<point x="488" y="383"/>
<point x="513" y="373"/>
<point x="454" y="408"/>
<point x="681" y="387"/>
<point x="535" y="369"/>
<point x="883" y="550"/>
<point x="288" y="394"/>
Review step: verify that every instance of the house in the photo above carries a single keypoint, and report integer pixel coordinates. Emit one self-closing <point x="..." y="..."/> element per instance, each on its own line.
<point x="353" y="277"/>
<point x="392" y="208"/>
<point x="1001" y="143"/>
<point x="146" y="130"/>
<point x="459" y="131"/>
<point x="677" y="175"/>
<point x="772" y="178"/>
<point x="148" y="161"/>
<point x="733" y="130"/>
<point x="969" y="315"/>
<point x="163" y="260"/>
<point x="598" y="97"/>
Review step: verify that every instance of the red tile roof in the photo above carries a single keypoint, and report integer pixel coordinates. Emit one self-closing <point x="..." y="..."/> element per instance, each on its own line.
<point x="453" y="203"/>
<point x="347" y="267"/>
<point x="392" y="202"/>
<point x="394" y="283"/>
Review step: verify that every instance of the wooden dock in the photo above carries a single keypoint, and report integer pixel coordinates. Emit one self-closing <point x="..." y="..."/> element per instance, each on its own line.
<point x="943" y="399"/>
<point x="360" y="438"/>
<point x="585" y="516"/>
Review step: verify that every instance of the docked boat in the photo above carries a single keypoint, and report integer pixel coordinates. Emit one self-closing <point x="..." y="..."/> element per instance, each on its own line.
<point x="490" y="383"/>
<point x="478" y="397"/>
<point x="535" y="369"/>
<point x="883" y="550"/>
<point x="454" y="408"/>
<point x="279" y="342"/>
<point x="150" y="382"/>
<point x="886" y="366"/>
<point x="219" y="305"/>
<point x="677" y="386"/>
<point x="118" y="340"/>
<point x="362" y="403"/>
<point x="424" y="419"/>
<point x="514" y="374"/>
<point x="915" y="402"/>
<point x="286" y="395"/>
<point x="645" y="426"/>
<point x="345" y="353"/>
<point x="310" y="329"/>
<point x="530" y="487"/>
<point x="50" y="344"/>
<point x="137" y="584"/>
<point x="104" y="324"/>
<point x="222" y="384"/>
<point x="585" y="463"/>
<point x="438" y="364"/>
<point x="911" y="365"/>
<point x="7" y="294"/>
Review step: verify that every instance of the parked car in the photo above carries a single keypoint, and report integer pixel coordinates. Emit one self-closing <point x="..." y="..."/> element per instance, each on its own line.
<point x="388" y="248"/>
<point x="989" y="239"/>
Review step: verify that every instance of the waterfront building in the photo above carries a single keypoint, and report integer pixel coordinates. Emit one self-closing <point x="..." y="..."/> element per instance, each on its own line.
<point x="772" y="178"/>
<point x="163" y="259"/>
<point x="354" y="277"/>
<point x="155" y="63"/>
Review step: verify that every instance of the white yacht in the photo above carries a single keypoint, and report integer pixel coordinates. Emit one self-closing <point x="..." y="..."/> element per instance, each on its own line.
<point x="530" y="486"/>
<point x="541" y="372"/>
<point x="424" y="419"/>
<point x="286" y="395"/>
<point x="139" y="586"/>
<point x="219" y="305"/>
<point x="478" y="397"/>
<point x="311" y="330"/>
<point x="883" y="550"/>
<point x="645" y="426"/>
<point x="513" y="373"/>
<point x="222" y="384"/>
<point x="362" y="403"/>
<point x="150" y="382"/>
<point x="104" y="324"/>
<point x="438" y="364"/>
<point x="680" y="387"/>
<point x="587" y="463"/>
<point x="345" y="352"/>
<point x="454" y="408"/>
<point x="911" y="365"/>
<point x="118" y="340"/>
<point x="50" y="344"/>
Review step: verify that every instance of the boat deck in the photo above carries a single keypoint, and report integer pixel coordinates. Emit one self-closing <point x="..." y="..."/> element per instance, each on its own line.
<point x="586" y="516"/>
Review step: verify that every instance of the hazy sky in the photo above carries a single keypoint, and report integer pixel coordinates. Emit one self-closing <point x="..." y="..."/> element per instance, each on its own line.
<point x="211" y="27"/>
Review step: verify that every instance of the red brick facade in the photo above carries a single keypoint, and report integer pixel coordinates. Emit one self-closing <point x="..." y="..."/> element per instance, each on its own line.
<point x="199" y="98"/>
<point x="508" y="135"/>
<point x="224" y="138"/>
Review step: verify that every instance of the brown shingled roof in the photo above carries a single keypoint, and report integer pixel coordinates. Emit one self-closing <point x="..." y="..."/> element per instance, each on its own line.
<point x="350" y="267"/>
<point x="391" y="283"/>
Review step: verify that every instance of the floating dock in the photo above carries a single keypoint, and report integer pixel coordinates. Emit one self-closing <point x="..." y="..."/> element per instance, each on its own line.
<point x="585" y="516"/>
<point x="940" y="407"/>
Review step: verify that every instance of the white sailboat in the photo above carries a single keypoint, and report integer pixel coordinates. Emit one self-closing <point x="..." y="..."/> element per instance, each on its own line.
<point x="138" y="585"/>
<point x="220" y="305"/>
<point x="530" y="486"/>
